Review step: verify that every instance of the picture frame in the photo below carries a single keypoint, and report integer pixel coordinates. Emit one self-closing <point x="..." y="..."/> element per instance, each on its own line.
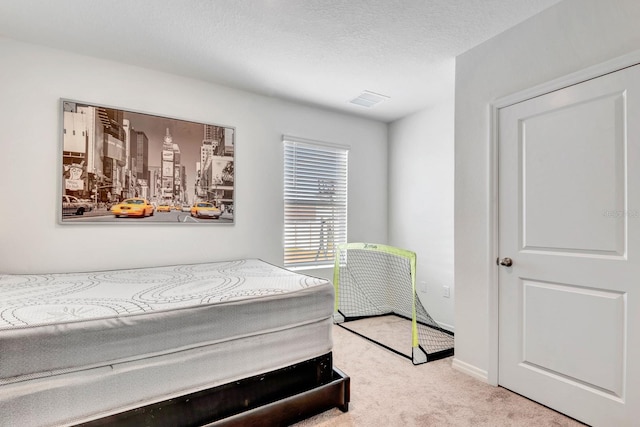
<point x="126" y="167"/>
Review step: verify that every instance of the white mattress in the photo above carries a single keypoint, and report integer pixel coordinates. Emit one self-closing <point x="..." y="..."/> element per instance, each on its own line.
<point x="154" y="333"/>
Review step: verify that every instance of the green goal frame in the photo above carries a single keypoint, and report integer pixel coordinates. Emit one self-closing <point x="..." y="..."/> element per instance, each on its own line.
<point x="429" y="341"/>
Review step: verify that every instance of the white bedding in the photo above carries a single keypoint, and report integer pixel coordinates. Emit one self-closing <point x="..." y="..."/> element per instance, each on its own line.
<point x="152" y="332"/>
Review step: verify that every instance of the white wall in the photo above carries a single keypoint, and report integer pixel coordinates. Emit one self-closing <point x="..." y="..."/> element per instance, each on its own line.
<point x="566" y="38"/>
<point x="421" y="177"/>
<point x="32" y="81"/>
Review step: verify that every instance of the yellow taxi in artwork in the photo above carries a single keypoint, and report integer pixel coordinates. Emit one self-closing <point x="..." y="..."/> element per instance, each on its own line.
<point x="205" y="210"/>
<point x="134" y="206"/>
<point x="164" y="207"/>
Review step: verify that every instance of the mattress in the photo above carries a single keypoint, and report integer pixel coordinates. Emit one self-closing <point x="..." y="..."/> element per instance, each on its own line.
<point x="121" y="338"/>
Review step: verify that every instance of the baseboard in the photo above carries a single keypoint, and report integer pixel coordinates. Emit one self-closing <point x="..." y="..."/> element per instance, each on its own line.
<point x="471" y="370"/>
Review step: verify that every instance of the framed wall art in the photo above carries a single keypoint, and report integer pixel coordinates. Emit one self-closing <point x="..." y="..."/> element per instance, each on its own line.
<point x="125" y="167"/>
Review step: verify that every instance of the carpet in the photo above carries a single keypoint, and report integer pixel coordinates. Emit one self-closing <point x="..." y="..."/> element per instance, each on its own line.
<point x="391" y="331"/>
<point x="387" y="390"/>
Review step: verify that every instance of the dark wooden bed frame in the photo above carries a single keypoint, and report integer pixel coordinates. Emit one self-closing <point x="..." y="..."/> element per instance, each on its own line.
<point x="276" y="398"/>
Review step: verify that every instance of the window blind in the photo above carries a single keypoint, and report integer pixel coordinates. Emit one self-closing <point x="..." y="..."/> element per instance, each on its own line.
<point x="315" y="202"/>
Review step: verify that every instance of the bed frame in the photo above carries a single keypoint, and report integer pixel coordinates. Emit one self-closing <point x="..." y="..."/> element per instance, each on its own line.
<point x="276" y="398"/>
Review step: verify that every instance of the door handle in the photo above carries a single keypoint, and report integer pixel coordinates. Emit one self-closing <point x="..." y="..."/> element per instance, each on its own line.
<point x="506" y="262"/>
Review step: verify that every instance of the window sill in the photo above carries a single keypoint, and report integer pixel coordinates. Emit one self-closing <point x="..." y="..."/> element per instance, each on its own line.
<point x="310" y="267"/>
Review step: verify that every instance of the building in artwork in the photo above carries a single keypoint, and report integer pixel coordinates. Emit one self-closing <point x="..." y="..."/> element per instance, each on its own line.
<point x="155" y="183"/>
<point x="215" y="171"/>
<point x="173" y="173"/>
<point x="94" y="152"/>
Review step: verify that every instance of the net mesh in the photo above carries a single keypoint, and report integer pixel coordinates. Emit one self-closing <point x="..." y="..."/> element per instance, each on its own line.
<point x="376" y="280"/>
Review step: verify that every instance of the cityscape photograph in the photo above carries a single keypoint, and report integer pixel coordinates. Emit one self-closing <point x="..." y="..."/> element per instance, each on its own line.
<point x="121" y="167"/>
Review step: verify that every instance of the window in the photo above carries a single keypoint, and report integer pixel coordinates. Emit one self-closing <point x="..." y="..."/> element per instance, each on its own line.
<point x="315" y="202"/>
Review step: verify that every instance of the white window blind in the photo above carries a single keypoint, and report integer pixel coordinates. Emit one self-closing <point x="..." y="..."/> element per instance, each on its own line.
<point x="315" y="202"/>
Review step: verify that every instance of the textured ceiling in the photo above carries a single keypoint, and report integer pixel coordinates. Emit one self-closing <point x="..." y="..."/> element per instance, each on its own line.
<point x="319" y="52"/>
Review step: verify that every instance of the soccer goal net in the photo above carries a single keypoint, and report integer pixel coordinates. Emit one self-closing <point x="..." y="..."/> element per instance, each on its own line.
<point x="375" y="281"/>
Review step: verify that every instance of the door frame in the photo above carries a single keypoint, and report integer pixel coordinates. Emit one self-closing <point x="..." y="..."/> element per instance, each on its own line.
<point x="592" y="72"/>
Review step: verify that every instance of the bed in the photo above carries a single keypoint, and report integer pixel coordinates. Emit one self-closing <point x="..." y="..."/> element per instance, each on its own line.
<point x="224" y="343"/>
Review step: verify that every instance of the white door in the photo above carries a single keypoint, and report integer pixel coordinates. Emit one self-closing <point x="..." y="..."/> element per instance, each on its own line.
<point x="569" y="219"/>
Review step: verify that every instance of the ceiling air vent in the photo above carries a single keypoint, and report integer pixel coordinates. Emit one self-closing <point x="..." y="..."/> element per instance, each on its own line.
<point x="368" y="99"/>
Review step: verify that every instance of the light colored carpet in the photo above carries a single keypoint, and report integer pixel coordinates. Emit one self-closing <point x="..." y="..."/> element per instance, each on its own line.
<point x="392" y="331"/>
<point x="388" y="390"/>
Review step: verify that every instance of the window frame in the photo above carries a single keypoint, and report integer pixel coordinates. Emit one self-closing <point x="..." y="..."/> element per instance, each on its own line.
<point x="304" y="231"/>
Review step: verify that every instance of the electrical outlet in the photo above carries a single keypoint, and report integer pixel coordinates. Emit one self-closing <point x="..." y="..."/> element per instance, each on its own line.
<point x="445" y="292"/>
<point x="422" y="286"/>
